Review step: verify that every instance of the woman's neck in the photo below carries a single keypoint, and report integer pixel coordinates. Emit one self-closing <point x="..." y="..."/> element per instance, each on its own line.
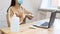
<point x="17" y="6"/>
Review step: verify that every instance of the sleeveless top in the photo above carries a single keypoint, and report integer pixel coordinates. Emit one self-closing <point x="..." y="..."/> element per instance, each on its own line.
<point x="14" y="23"/>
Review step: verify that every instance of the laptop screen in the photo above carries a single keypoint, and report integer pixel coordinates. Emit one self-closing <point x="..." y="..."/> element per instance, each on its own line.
<point x="52" y="18"/>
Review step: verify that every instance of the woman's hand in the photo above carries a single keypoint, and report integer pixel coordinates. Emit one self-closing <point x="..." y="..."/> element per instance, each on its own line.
<point x="29" y="16"/>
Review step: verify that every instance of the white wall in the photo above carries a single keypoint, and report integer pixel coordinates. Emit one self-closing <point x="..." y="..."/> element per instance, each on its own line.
<point x="4" y="4"/>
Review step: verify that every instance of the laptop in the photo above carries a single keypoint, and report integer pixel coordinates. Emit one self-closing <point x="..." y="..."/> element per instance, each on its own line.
<point x="46" y="24"/>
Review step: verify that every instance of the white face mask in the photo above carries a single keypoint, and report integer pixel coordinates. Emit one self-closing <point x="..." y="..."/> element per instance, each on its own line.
<point x="20" y="1"/>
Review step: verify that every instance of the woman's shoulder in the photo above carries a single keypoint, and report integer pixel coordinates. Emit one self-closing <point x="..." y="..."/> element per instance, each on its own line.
<point x="10" y="8"/>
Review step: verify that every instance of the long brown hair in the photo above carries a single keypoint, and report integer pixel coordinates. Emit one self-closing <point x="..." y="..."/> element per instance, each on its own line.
<point x="13" y="2"/>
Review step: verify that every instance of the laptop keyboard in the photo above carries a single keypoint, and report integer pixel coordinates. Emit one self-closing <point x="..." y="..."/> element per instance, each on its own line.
<point x="44" y="24"/>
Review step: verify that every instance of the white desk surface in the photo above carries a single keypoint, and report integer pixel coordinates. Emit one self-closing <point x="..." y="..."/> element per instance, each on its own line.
<point x="25" y="29"/>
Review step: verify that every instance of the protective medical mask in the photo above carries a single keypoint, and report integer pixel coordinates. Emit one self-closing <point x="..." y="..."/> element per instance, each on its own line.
<point x="20" y="1"/>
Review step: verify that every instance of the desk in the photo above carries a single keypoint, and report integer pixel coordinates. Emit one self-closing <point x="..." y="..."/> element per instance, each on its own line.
<point x="24" y="29"/>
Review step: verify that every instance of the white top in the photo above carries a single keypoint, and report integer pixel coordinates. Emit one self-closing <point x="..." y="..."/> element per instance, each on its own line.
<point x="14" y="23"/>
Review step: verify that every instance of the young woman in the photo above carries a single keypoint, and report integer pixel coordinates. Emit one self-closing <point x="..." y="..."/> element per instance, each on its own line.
<point x="19" y="11"/>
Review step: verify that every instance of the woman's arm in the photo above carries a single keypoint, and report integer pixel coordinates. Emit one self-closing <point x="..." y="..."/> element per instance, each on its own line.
<point x="22" y="16"/>
<point x="9" y="14"/>
<point x="27" y="13"/>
